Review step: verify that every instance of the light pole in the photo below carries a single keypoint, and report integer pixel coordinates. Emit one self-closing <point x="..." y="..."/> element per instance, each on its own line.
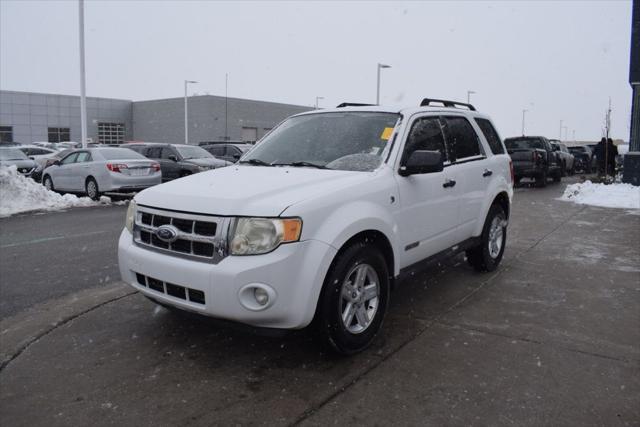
<point x="83" y="98"/>
<point x="566" y="131"/>
<point x="469" y="93"/>
<point x="318" y="98"/>
<point x="523" y="113"/>
<point x="380" y="66"/>
<point x="560" y="136"/>
<point x="186" y="112"/>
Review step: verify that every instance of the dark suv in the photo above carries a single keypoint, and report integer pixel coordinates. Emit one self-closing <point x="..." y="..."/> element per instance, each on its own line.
<point x="178" y="160"/>
<point x="228" y="152"/>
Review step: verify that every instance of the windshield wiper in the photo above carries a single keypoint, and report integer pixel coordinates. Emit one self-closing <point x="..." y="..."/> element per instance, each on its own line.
<point x="256" y="162"/>
<point x="299" y="164"/>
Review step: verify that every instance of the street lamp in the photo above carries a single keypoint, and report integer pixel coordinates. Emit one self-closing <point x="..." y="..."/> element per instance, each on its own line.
<point x="523" y="113"/>
<point x="560" y="136"/>
<point x="318" y="98"/>
<point x="380" y="66"/>
<point x="469" y="93"/>
<point x="186" y="111"/>
<point x="83" y="97"/>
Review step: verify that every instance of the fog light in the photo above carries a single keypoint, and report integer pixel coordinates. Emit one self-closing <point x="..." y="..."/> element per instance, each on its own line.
<point x="261" y="296"/>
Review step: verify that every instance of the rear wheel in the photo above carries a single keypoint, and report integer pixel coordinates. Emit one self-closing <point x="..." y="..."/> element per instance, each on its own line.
<point x="563" y="169"/>
<point x="487" y="255"/>
<point x="48" y="183"/>
<point x="557" y="177"/>
<point x="184" y="173"/>
<point x="91" y="188"/>
<point x="354" y="299"/>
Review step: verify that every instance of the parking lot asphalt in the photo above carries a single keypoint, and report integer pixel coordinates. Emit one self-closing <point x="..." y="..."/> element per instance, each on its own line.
<point x="48" y="255"/>
<point x="551" y="338"/>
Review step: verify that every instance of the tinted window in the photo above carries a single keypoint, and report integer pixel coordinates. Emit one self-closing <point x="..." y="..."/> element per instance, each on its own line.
<point x="11" y="154"/>
<point x="523" y="143"/>
<point x="461" y="137"/>
<point x="193" y="152"/>
<point x="491" y="136"/>
<point x="71" y="158"/>
<point x="426" y="134"/>
<point x="119" y="154"/>
<point x="167" y="152"/>
<point x="216" y="150"/>
<point x="154" y="153"/>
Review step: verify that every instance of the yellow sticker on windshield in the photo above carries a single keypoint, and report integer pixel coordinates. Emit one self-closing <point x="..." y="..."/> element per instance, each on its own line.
<point x="386" y="134"/>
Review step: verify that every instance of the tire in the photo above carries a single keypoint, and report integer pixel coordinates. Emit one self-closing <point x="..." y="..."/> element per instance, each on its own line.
<point x="541" y="180"/>
<point x="91" y="189"/>
<point x="48" y="183"/>
<point x="557" y="177"/>
<point x="563" y="169"/>
<point x="184" y="173"/>
<point x="517" y="180"/>
<point x="339" y="300"/>
<point x="487" y="255"/>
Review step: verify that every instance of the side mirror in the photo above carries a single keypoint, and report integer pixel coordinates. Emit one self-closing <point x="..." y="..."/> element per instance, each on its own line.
<point x="172" y="157"/>
<point x="422" y="161"/>
<point x="56" y="163"/>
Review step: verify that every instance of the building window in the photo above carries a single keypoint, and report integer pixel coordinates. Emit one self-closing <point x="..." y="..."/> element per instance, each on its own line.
<point x="249" y="134"/>
<point x="59" y="134"/>
<point x="110" y="133"/>
<point x="6" y="134"/>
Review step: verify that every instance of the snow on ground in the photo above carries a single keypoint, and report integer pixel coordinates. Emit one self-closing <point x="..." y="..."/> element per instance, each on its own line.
<point x="19" y="194"/>
<point x="624" y="196"/>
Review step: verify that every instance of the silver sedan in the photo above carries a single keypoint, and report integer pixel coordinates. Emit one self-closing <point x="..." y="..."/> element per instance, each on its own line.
<point x="99" y="170"/>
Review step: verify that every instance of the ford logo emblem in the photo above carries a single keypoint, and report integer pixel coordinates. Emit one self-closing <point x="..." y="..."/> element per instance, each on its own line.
<point x="167" y="233"/>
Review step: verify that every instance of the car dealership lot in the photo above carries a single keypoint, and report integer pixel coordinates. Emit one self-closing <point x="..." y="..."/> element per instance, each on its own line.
<point x="550" y="338"/>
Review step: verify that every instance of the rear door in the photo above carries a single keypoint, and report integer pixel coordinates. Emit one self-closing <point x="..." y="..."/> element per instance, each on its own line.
<point x="470" y="166"/>
<point x="428" y="214"/>
<point x="79" y="171"/>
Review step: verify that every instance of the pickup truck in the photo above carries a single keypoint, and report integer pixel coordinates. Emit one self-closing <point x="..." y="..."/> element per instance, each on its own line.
<point x="317" y="223"/>
<point x="565" y="156"/>
<point x="533" y="157"/>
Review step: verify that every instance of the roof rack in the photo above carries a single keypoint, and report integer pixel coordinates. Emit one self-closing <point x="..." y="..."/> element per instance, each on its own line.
<point x="453" y="104"/>
<point x="354" y="104"/>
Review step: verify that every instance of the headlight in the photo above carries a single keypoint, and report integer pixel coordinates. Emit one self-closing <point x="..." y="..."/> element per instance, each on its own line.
<point x="203" y="168"/>
<point x="131" y="215"/>
<point x="254" y="236"/>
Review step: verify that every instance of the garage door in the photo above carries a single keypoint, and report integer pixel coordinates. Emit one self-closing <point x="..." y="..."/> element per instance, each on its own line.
<point x="249" y="134"/>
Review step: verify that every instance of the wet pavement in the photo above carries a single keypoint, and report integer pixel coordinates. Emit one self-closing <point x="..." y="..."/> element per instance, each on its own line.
<point x="551" y="338"/>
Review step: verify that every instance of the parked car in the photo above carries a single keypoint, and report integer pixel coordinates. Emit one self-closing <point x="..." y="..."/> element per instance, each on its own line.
<point x="12" y="156"/>
<point x="564" y="156"/>
<point x="93" y="171"/>
<point x="228" y="152"/>
<point x="533" y="157"/>
<point x="178" y="160"/>
<point x="584" y="158"/>
<point x="315" y="223"/>
<point x="36" y="152"/>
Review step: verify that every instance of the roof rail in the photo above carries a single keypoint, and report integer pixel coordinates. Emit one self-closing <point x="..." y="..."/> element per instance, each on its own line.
<point x="354" y="104"/>
<point x="453" y="104"/>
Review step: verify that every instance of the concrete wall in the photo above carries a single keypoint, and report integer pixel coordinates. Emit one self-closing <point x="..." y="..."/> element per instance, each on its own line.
<point x="31" y="114"/>
<point x="163" y="120"/>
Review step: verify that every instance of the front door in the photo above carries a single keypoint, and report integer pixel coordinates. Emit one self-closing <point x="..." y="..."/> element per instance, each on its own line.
<point x="428" y="214"/>
<point x="61" y="175"/>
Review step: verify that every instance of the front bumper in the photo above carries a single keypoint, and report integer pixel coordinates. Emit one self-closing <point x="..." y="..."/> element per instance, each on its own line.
<point x="294" y="272"/>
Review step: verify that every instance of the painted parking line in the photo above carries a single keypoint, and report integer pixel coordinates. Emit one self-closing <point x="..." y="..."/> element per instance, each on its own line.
<point x="49" y="239"/>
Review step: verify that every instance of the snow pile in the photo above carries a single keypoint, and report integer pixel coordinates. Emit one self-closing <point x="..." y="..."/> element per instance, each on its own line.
<point x="20" y="194"/>
<point x="609" y="196"/>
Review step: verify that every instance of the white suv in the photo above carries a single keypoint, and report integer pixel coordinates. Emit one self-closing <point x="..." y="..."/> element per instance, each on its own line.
<point x="316" y="222"/>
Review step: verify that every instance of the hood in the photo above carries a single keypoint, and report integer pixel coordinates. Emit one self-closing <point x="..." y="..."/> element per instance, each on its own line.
<point x="206" y="161"/>
<point x="247" y="190"/>
<point x="26" y="163"/>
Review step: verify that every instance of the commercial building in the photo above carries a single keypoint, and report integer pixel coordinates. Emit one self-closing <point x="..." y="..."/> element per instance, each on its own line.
<point x="29" y="117"/>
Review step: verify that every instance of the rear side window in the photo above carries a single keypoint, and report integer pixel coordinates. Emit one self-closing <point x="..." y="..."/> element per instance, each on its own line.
<point x="490" y="135"/>
<point x="154" y="153"/>
<point x="426" y="134"/>
<point x="461" y="137"/>
<point x="216" y="150"/>
<point x="119" y="154"/>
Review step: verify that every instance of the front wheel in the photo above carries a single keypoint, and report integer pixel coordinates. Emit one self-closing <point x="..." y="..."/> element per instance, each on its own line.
<point x="488" y="254"/>
<point x="91" y="188"/>
<point x="48" y="183"/>
<point x="354" y="299"/>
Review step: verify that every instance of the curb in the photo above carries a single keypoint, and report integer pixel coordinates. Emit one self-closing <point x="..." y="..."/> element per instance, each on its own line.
<point x="18" y="332"/>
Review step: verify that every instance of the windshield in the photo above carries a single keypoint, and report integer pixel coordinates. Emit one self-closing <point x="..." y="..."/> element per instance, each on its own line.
<point x="119" y="154"/>
<point x="12" y="154"/>
<point x="192" y="152"/>
<point x="343" y="141"/>
<point x="523" y="143"/>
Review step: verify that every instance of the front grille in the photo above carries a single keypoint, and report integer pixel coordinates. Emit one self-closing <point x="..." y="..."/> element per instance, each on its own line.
<point x="199" y="237"/>
<point x="176" y="291"/>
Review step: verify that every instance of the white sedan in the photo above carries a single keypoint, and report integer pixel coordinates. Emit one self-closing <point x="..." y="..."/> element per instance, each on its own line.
<point x="94" y="171"/>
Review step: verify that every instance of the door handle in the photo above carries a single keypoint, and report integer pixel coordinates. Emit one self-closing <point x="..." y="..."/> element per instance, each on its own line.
<point x="449" y="183"/>
<point x="487" y="172"/>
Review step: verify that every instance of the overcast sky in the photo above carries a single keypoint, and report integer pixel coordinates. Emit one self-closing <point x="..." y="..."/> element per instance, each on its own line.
<point x="559" y="60"/>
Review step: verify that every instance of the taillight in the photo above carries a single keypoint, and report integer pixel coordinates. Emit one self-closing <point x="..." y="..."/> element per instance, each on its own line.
<point x="513" y="174"/>
<point x="116" y="167"/>
<point x="156" y="166"/>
